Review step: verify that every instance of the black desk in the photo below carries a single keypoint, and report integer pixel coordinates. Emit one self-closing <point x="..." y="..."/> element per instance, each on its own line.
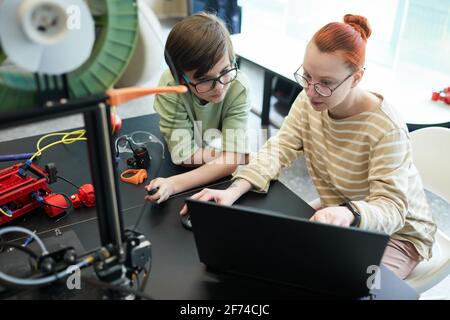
<point x="176" y="271"/>
<point x="72" y="163"/>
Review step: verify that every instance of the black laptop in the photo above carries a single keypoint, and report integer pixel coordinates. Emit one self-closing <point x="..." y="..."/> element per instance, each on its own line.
<point x="288" y="250"/>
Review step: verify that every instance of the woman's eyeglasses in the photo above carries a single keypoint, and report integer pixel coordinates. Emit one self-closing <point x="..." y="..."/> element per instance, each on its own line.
<point x="321" y="89"/>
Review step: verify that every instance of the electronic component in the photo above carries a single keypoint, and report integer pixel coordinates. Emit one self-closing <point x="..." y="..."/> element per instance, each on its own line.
<point x="140" y="160"/>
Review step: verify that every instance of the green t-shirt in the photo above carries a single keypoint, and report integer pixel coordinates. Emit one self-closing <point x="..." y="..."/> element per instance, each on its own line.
<point x="188" y="125"/>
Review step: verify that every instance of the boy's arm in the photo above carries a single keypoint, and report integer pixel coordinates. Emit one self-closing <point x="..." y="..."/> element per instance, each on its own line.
<point x="206" y="155"/>
<point x="223" y="165"/>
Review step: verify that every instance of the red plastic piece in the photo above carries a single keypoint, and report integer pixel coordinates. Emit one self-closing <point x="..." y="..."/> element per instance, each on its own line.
<point x="76" y="202"/>
<point x="443" y="96"/>
<point x="435" y="96"/>
<point x="85" y="196"/>
<point x="55" y="200"/>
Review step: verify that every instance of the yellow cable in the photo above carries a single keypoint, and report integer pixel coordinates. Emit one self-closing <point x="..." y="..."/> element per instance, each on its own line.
<point x="66" y="139"/>
<point x="5" y="213"/>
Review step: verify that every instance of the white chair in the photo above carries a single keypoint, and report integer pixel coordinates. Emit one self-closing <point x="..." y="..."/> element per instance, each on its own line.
<point x="431" y="154"/>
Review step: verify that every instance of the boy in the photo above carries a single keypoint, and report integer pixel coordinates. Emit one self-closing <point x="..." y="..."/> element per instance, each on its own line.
<point x="218" y="99"/>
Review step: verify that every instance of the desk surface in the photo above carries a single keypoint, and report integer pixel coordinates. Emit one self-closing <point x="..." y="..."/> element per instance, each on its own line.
<point x="176" y="271"/>
<point x="408" y="87"/>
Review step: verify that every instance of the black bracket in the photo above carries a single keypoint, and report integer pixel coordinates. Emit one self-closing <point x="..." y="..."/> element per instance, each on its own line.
<point x="51" y="89"/>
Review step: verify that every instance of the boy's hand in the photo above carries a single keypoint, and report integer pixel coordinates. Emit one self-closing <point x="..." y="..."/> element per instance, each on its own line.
<point x="165" y="190"/>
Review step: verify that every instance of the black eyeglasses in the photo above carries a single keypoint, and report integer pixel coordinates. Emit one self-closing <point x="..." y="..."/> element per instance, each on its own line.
<point x="322" y="89"/>
<point x="207" y="85"/>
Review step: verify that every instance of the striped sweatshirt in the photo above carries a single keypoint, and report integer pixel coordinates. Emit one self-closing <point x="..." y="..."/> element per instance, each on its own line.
<point x="365" y="159"/>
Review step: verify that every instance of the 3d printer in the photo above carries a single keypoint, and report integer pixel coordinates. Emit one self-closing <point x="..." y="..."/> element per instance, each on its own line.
<point x="73" y="51"/>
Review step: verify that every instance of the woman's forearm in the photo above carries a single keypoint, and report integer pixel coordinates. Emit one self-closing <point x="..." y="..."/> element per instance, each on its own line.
<point x="239" y="187"/>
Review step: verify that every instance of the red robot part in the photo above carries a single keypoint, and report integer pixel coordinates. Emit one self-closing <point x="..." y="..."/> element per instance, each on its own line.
<point x="85" y="196"/>
<point x="15" y="191"/>
<point x="22" y="191"/>
<point x="436" y="96"/>
<point x="443" y="95"/>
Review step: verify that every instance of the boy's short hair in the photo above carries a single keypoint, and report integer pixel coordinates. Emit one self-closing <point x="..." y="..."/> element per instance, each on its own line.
<point x="198" y="42"/>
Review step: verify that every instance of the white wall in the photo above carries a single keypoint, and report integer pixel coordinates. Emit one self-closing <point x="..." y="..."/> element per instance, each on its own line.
<point x="169" y="8"/>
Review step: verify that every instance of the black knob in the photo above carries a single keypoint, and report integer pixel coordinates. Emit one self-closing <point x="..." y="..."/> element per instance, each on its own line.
<point x="70" y="256"/>
<point x="47" y="265"/>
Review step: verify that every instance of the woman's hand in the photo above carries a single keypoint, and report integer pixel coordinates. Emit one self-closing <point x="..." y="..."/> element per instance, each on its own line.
<point x="339" y="216"/>
<point x="165" y="189"/>
<point x="225" y="197"/>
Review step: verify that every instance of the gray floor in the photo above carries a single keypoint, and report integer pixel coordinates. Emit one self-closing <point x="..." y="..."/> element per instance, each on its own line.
<point x="295" y="177"/>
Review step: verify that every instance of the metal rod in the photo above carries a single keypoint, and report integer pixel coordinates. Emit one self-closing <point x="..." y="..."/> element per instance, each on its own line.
<point x="104" y="175"/>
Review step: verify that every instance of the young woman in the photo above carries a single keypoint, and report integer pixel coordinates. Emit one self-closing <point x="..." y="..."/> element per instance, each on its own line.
<point x="356" y="147"/>
<point x="218" y="99"/>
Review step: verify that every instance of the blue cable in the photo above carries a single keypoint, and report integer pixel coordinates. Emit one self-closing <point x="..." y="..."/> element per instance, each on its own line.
<point x="28" y="240"/>
<point x="14" y="157"/>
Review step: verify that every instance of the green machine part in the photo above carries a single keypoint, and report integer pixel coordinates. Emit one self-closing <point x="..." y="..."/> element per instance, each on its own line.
<point x="116" y="31"/>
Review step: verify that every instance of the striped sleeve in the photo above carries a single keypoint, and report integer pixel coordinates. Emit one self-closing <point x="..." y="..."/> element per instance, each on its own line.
<point x="386" y="206"/>
<point x="278" y="152"/>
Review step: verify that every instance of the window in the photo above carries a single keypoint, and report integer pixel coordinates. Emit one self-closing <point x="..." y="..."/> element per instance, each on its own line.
<point x="408" y="31"/>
